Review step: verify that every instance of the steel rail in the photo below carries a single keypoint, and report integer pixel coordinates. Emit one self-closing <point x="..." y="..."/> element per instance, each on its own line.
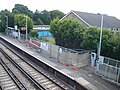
<point x="19" y="84"/>
<point x="23" y="71"/>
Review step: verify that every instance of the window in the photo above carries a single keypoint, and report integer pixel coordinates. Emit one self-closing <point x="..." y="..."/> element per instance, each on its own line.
<point x="117" y="29"/>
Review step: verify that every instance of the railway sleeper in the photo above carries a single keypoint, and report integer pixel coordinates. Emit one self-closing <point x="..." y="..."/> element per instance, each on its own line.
<point x="50" y="86"/>
<point x="11" y="88"/>
<point x="37" y="76"/>
<point x="43" y="80"/>
<point x="8" y="85"/>
<point x="46" y="83"/>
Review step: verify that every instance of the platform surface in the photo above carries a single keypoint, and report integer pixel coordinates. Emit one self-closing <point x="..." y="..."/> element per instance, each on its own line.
<point x="85" y="76"/>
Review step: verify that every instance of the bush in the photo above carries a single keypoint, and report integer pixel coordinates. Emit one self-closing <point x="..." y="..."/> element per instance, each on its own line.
<point x="33" y="34"/>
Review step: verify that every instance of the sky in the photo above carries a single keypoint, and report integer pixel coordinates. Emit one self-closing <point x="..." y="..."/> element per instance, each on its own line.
<point x="109" y="7"/>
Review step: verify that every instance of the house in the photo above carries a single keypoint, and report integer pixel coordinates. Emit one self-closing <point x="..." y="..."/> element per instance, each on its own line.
<point x="90" y="19"/>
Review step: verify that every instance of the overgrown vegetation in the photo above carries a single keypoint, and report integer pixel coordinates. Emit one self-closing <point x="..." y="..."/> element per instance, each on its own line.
<point x="73" y="34"/>
<point x="68" y="33"/>
<point x="20" y="21"/>
<point x="33" y="34"/>
<point x="17" y="16"/>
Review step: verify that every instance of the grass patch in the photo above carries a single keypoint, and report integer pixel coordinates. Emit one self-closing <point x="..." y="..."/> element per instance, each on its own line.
<point x="48" y="41"/>
<point x="51" y="41"/>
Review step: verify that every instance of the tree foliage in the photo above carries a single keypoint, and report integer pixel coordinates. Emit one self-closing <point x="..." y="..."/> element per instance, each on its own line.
<point x="33" y="34"/>
<point x="56" y="13"/>
<point x="20" y="21"/>
<point x="3" y="15"/>
<point x="67" y="33"/>
<point x="36" y="18"/>
<point x="39" y="17"/>
<point x="72" y="34"/>
<point x="45" y="17"/>
<point x="21" y="9"/>
<point x="90" y="38"/>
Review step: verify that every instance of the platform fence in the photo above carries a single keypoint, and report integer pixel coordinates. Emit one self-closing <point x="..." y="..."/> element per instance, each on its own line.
<point x="63" y="55"/>
<point x="109" y="69"/>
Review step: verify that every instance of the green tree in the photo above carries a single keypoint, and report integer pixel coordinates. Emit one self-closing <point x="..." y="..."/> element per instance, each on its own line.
<point x="20" y="21"/>
<point x="110" y="42"/>
<point x="21" y="9"/>
<point x="39" y="22"/>
<point x="90" y="38"/>
<point x="54" y="29"/>
<point x="117" y="49"/>
<point x="3" y="15"/>
<point x="36" y="18"/>
<point x="33" y="34"/>
<point x="45" y="17"/>
<point x="56" y="13"/>
<point x="72" y="34"/>
<point x="67" y="32"/>
<point x="110" y="45"/>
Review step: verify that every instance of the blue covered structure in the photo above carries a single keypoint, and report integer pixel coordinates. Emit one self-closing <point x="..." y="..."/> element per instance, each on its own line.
<point x="43" y="30"/>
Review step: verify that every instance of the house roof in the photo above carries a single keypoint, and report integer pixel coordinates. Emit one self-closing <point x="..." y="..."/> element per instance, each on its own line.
<point x="95" y="19"/>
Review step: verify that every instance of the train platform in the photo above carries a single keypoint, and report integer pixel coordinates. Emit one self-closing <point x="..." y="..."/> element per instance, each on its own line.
<point x="85" y="75"/>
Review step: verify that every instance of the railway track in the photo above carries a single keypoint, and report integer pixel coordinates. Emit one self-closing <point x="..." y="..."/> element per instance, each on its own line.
<point x="40" y="79"/>
<point x="6" y="80"/>
<point x="19" y="78"/>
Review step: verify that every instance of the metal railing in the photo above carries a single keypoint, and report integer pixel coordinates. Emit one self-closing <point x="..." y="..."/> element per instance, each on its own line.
<point x="109" y="69"/>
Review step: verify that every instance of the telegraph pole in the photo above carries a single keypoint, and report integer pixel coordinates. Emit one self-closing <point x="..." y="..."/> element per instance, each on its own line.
<point x="99" y="48"/>
<point x="6" y="24"/>
<point x="26" y="28"/>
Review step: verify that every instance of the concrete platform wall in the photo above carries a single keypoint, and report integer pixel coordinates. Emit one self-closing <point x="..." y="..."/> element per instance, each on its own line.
<point x="75" y="59"/>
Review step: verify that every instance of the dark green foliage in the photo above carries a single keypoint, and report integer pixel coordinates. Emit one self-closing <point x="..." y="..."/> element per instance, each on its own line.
<point x="45" y="17"/>
<point x="72" y="34"/>
<point x="67" y="33"/>
<point x="90" y="38"/>
<point x="37" y="19"/>
<point x="10" y="16"/>
<point x="20" y="21"/>
<point x="33" y="34"/>
<point x="56" y="13"/>
<point x="21" y="9"/>
<point x="110" y="45"/>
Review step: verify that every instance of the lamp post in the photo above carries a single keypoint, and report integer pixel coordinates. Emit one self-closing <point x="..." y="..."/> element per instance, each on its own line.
<point x="26" y="27"/>
<point x="6" y="24"/>
<point x="0" y="18"/>
<point x="99" y="48"/>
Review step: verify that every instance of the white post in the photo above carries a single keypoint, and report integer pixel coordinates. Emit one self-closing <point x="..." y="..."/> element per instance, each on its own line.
<point x="26" y="28"/>
<point x="99" y="48"/>
<point x="6" y="24"/>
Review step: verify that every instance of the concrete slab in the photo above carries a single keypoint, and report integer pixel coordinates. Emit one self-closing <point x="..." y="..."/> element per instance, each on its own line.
<point x="51" y="63"/>
<point x="82" y="81"/>
<point x="66" y="71"/>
